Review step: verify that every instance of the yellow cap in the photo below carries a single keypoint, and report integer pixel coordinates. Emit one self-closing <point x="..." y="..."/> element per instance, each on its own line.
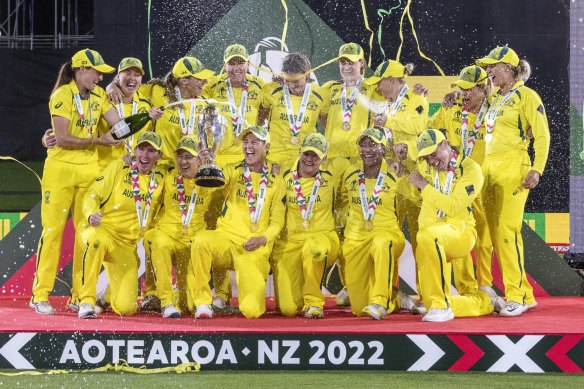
<point x="130" y="62"/>
<point x="499" y="54"/>
<point x="235" y="51"/>
<point x="388" y="68"/>
<point x="352" y="51"/>
<point x="428" y="142"/>
<point x="471" y="76"/>
<point x="151" y="138"/>
<point x="260" y="132"/>
<point x="315" y="142"/>
<point x="377" y="135"/>
<point x="189" y="144"/>
<point x="190" y="66"/>
<point x="90" y="59"/>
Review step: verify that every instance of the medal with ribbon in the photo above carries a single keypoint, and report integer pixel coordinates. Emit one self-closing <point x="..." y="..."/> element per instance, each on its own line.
<point x="186" y="128"/>
<point x="185" y="215"/>
<point x="395" y="105"/>
<point x="142" y="217"/>
<point x="494" y="111"/>
<point x="237" y="111"/>
<point x="347" y="103"/>
<point x="469" y="138"/>
<point x="295" y="125"/>
<point x="301" y="200"/>
<point x="449" y="179"/>
<point x="369" y="207"/>
<point x="255" y="203"/>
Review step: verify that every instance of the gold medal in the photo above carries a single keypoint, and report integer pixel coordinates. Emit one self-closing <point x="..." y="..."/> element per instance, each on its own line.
<point x="294" y="140"/>
<point x="306" y="224"/>
<point x="488" y="138"/>
<point x="368" y="225"/>
<point x="346" y="126"/>
<point x="254" y="227"/>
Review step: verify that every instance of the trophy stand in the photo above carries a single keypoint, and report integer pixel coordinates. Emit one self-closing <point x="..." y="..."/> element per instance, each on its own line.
<point x="211" y="131"/>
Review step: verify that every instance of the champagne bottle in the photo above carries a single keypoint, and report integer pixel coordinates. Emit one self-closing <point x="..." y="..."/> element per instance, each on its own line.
<point x="130" y="125"/>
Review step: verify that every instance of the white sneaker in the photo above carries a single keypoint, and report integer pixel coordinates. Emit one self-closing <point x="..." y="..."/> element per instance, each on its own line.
<point x="419" y="309"/>
<point x="219" y="303"/>
<point x="513" y="308"/>
<point x="150" y="303"/>
<point x="100" y="305"/>
<point x="86" y="311"/>
<point x="314" y="313"/>
<point x="497" y="302"/>
<point x="406" y="302"/>
<point x="342" y="299"/>
<point x="531" y="306"/>
<point x="374" y="311"/>
<point x="204" y="311"/>
<point x="74" y="307"/>
<point x="42" y="307"/>
<point x="170" y="312"/>
<point x="438" y="315"/>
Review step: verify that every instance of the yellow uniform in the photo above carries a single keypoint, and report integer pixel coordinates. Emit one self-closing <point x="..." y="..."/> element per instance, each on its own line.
<point x="107" y="154"/>
<point x="505" y="167"/>
<point x="444" y="239"/>
<point x="371" y="255"/>
<point x="168" y="126"/>
<point x="66" y="176"/>
<point x="216" y="88"/>
<point x="450" y="120"/>
<point x="281" y="148"/>
<point x="167" y="244"/>
<point x="341" y="140"/>
<point x="302" y="253"/>
<point x="113" y="242"/>
<point x="223" y="249"/>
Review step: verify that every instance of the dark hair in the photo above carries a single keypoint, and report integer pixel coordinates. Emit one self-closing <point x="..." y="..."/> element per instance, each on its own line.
<point x="296" y="63"/>
<point x="65" y="76"/>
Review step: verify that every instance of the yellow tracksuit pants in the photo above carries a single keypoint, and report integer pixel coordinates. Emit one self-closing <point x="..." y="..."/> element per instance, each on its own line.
<point x="504" y="199"/>
<point x="121" y="263"/>
<point x="64" y="186"/>
<point x="371" y="268"/>
<point x="299" y="269"/>
<point x="438" y="245"/>
<point x="484" y="246"/>
<point x="215" y="249"/>
<point x="165" y="251"/>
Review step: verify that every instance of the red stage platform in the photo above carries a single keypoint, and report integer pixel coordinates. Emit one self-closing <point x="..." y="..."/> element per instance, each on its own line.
<point x="548" y="338"/>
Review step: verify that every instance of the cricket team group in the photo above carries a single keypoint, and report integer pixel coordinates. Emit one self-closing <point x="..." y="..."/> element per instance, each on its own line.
<point x="314" y="176"/>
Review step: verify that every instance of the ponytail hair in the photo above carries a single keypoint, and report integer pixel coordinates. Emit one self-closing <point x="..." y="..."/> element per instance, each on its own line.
<point x="409" y="68"/>
<point x="522" y="71"/>
<point x="65" y="76"/>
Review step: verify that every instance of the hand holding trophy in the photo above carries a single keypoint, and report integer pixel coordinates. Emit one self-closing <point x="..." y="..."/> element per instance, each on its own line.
<point x="211" y="131"/>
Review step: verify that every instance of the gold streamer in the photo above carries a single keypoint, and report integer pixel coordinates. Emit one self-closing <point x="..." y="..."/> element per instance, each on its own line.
<point x="8" y="158"/>
<point x="401" y="36"/>
<point x="122" y="365"/>
<point x="368" y="29"/>
<point x="285" y="29"/>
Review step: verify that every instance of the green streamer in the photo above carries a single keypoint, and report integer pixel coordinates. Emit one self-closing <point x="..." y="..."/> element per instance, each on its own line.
<point x="149" y="47"/>
<point x="382" y="13"/>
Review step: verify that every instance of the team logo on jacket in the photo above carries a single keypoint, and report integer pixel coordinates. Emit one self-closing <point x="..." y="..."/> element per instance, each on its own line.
<point x="47" y="197"/>
<point x="95" y="106"/>
<point x="58" y="105"/>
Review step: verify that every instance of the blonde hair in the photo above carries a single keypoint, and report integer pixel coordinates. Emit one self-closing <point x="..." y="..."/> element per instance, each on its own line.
<point x="522" y="71"/>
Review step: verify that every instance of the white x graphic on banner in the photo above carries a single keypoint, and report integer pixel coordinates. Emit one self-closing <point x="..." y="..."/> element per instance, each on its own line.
<point x="515" y="353"/>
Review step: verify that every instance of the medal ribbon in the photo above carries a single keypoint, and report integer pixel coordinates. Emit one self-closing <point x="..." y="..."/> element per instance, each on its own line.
<point x="182" y="204"/>
<point x="301" y="200"/>
<point x="187" y="129"/>
<point x="142" y="218"/>
<point x="492" y="113"/>
<point x="347" y="103"/>
<point x="77" y="99"/>
<point x="368" y="207"/>
<point x="449" y="179"/>
<point x="295" y="125"/>
<point x="394" y="107"/>
<point x="237" y="112"/>
<point x="128" y="141"/>
<point x="469" y="138"/>
<point x="255" y="208"/>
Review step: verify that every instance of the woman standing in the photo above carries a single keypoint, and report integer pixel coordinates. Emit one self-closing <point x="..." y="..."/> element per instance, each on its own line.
<point x="76" y="105"/>
<point x="516" y="115"/>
